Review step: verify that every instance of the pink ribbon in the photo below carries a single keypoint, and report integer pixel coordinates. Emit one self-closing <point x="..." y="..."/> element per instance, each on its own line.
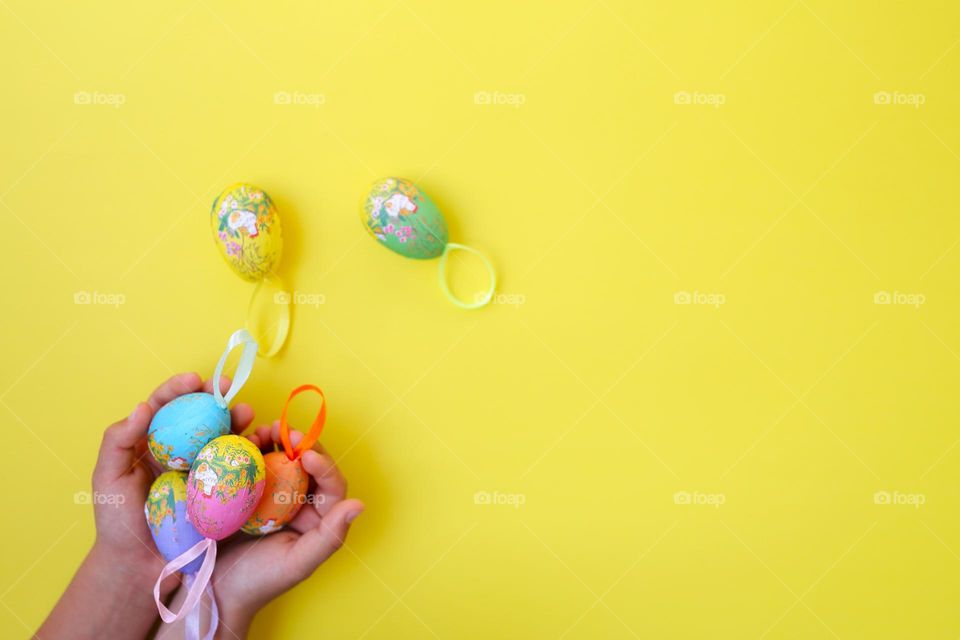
<point x="197" y="586"/>
<point x="193" y="618"/>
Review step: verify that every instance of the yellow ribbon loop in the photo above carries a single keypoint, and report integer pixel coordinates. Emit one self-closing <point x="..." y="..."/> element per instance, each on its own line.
<point x="269" y="314"/>
<point x="481" y="300"/>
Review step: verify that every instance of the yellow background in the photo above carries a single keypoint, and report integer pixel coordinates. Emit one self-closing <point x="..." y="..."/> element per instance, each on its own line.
<point x="586" y="393"/>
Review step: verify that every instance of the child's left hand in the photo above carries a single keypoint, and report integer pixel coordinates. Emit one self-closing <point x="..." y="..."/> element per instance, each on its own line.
<point x="111" y="594"/>
<point x="126" y="469"/>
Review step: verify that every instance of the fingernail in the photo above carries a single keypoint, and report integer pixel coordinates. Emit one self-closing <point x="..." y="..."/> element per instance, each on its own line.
<point x="353" y="516"/>
<point x="133" y="413"/>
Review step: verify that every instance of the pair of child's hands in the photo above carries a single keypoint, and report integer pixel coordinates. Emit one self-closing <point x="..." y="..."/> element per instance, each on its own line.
<point x="249" y="571"/>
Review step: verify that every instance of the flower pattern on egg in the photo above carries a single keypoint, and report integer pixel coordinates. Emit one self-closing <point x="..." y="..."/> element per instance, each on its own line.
<point x="402" y="218"/>
<point x="246" y="228"/>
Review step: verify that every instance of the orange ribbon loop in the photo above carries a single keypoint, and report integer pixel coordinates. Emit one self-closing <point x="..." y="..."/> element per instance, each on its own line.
<point x="313" y="434"/>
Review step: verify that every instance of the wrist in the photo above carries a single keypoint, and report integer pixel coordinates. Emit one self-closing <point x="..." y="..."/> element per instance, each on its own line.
<point x="104" y="599"/>
<point x="234" y="624"/>
<point x="122" y="574"/>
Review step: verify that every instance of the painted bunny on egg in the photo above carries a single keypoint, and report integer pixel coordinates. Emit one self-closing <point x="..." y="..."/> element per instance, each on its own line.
<point x="243" y="219"/>
<point x="207" y="477"/>
<point x="399" y="204"/>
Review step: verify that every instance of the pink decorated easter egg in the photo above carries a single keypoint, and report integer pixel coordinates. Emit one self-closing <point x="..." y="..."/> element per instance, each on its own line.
<point x="225" y="484"/>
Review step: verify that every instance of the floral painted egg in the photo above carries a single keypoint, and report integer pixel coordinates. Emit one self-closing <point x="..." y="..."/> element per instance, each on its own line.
<point x="183" y="426"/>
<point x="404" y="219"/>
<point x="225" y="485"/>
<point x="246" y="229"/>
<point x="166" y="511"/>
<point x="284" y="493"/>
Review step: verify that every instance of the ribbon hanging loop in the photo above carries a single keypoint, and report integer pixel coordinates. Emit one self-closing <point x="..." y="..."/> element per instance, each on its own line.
<point x="481" y="299"/>
<point x="198" y="585"/>
<point x="315" y="429"/>
<point x="193" y="617"/>
<point x="269" y="294"/>
<point x="244" y="367"/>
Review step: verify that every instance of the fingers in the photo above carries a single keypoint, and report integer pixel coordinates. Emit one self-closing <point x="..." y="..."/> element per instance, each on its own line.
<point x="305" y="520"/>
<point x="178" y="385"/>
<point x="240" y="418"/>
<point x="118" y="449"/>
<point x="264" y="434"/>
<point x="224" y="385"/>
<point x="331" y="485"/>
<point x="141" y="452"/>
<point x="241" y="415"/>
<point x="321" y="542"/>
<point x="295" y="437"/>
<point x="262" y="439"/>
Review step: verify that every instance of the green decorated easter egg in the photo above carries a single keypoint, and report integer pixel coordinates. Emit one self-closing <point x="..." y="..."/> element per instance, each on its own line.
<point x="404" y="219"/>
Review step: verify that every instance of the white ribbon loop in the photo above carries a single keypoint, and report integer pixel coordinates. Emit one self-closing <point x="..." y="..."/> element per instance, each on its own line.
<point x="192" y="630"/>
<point x="244" y="367"/>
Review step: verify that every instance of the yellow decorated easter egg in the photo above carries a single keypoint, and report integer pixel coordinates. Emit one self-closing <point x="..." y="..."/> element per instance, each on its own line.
<point x="246" y="230"/>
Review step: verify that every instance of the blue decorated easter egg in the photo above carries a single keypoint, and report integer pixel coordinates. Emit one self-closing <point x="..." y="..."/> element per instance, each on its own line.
<point x="184" y="426"/>
<point x="166" y="512"/>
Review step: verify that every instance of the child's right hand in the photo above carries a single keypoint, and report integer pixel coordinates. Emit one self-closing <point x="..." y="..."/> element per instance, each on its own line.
<point x="250" y="572"/>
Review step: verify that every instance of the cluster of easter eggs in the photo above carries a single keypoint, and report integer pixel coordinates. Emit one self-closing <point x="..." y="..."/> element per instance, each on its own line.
<point x="230" y="485"/>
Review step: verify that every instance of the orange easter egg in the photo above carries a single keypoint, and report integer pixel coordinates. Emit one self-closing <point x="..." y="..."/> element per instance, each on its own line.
<point x="284" y="493"/>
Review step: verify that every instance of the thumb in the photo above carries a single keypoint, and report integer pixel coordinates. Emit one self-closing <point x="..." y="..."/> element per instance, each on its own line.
<point x="319" y="543"/>
<point x="118" y="447"/>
